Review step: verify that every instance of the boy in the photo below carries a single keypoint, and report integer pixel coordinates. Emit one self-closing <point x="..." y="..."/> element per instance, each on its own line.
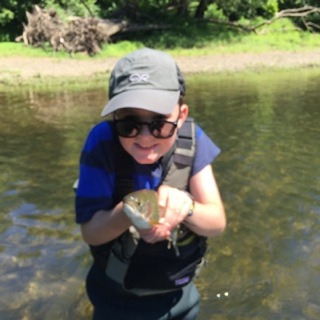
<point x="146" y="92"/>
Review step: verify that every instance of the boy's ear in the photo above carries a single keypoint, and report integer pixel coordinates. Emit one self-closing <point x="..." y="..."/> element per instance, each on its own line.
<point x="184" y="111"/>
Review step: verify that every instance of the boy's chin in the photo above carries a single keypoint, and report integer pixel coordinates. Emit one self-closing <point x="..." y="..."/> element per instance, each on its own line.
<point x="143" y="160"/>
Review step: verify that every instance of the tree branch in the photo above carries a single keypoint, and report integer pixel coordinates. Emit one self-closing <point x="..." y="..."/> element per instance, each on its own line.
<point x="287" y="13"/>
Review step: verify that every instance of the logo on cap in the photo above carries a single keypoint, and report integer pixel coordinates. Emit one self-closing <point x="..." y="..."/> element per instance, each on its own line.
<point x="139" y="77"/>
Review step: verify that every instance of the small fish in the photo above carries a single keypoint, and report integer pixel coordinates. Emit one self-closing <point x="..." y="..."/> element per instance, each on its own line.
<point x="142" y="208"/>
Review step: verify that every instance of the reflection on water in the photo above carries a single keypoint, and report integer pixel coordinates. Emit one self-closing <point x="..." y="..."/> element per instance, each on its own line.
<point x="265" y="266"/>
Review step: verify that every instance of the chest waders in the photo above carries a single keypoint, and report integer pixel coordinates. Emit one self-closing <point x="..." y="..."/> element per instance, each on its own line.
<point x="127" y="260"/>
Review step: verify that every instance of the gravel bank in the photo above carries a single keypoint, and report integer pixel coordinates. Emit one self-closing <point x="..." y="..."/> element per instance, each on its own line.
<point x="26" y="68"/>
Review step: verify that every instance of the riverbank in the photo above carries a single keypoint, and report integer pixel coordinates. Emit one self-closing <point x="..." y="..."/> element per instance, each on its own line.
<point x="16" y="71"/>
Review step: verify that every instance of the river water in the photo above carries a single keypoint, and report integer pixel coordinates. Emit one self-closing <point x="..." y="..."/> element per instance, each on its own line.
<point x="267" y="263"/>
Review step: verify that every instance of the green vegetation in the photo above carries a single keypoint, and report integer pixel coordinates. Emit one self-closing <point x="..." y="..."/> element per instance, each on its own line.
<point x="199" y="42"/>
<point x="177" y="13"/>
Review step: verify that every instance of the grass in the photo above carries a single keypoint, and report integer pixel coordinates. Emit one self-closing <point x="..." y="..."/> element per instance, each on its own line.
<point x="190" y="40"/>
<point x="293" y="41"/>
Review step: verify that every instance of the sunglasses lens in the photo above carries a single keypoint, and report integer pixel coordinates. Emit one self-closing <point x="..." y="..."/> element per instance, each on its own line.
<point x="127" y="128"/>
<point x="162" y="129"/>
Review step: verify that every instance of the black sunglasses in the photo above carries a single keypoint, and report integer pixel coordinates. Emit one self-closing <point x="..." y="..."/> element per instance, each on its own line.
<point x="130" y="128"/>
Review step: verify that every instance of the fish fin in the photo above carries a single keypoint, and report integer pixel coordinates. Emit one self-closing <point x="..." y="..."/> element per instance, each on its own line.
<point x="176" y="250"/>
<point x="172" y="244"/>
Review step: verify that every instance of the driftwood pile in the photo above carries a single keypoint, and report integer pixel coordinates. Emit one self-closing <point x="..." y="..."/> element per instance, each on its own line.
<point x="77" y="35"/>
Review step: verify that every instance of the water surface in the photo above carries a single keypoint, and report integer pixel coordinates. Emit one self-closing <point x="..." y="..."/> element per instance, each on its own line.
<point x="266" y="264"/>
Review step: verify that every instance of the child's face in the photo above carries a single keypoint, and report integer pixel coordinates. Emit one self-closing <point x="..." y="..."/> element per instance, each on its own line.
<point x="145" y="148"/>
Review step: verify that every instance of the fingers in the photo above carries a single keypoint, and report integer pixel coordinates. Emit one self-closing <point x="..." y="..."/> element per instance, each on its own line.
<point x="174" y="205"/>
<point x="157" y="233"/>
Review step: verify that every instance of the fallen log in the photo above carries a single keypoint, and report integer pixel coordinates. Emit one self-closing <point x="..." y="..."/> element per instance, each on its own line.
<point x="76" y="35"/>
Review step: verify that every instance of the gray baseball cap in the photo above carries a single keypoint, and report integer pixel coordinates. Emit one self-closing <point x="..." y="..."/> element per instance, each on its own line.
<point x="146" y="79"/>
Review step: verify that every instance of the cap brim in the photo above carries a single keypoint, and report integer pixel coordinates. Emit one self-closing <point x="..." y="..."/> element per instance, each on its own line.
<point x="158" y="101"/>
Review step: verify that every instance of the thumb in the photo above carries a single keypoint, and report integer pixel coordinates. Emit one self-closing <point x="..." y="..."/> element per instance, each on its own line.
<point x="163" y="192"/>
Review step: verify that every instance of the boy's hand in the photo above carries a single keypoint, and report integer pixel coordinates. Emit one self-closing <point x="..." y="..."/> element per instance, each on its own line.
<point x="157" y="233"/>
<point x="174" y="205"/>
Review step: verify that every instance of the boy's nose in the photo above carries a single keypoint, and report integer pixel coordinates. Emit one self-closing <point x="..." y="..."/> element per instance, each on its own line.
<point x="144" y="130"/>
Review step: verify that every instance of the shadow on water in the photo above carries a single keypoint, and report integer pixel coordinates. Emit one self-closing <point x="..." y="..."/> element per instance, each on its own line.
<point x="266" y="264"/>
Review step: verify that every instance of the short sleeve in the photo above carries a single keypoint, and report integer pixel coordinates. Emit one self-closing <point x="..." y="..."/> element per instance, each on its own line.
<point x="96" y="174"/>
<point x="206" y="151"/>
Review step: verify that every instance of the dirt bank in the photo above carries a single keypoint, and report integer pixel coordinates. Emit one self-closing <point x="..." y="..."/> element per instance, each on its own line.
<point x="27" y="68"/>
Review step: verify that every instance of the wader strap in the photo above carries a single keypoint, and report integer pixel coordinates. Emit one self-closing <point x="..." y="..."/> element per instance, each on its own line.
<point x="180" y="169"/>
<point x="185" y="150"/>
<point x="166" y="161"/>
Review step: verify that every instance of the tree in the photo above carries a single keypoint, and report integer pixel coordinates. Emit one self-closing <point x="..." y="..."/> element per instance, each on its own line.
<point x="176" y="13"/>
<point x="201" y="9"/>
